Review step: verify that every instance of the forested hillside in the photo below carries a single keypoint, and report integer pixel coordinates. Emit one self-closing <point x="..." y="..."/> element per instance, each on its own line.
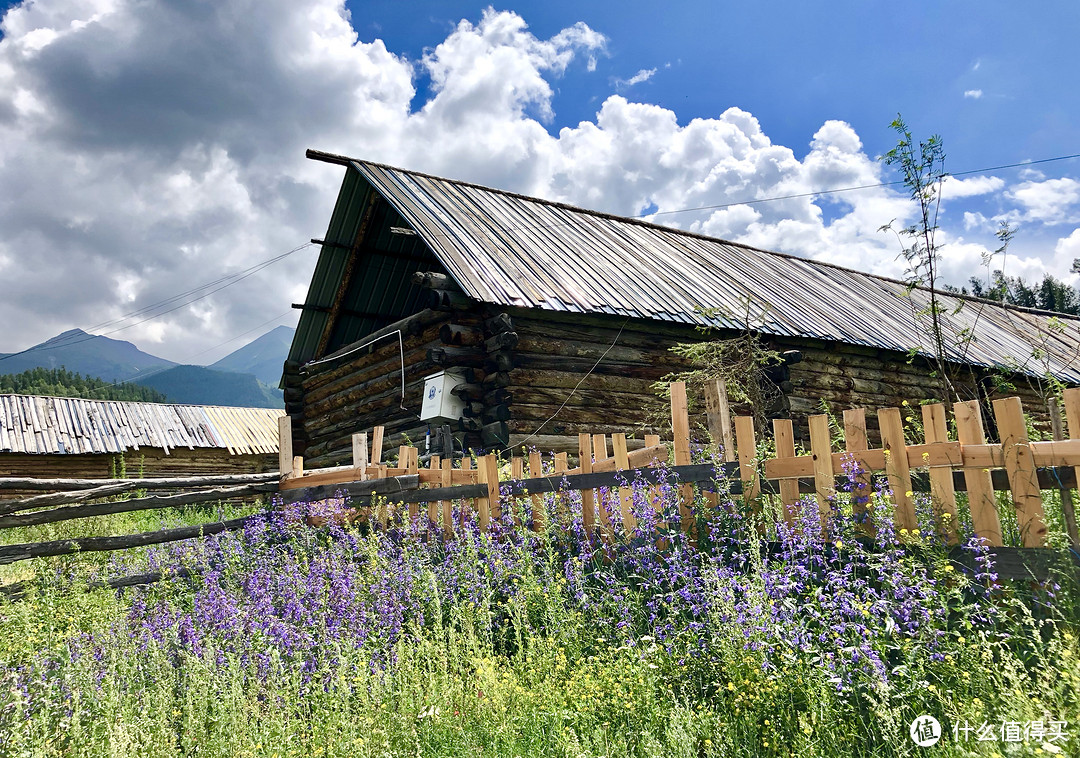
<point x="60" y="382"/>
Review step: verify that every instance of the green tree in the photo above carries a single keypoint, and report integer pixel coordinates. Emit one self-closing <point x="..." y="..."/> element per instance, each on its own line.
<point x="59" y="382"/>
<point x="922" y="169"/>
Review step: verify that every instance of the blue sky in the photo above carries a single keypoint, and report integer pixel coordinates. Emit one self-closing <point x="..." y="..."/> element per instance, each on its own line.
<point x="147" y="148"/>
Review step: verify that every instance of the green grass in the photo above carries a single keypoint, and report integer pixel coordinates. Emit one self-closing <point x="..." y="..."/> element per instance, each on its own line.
<point x="521" y="647"/>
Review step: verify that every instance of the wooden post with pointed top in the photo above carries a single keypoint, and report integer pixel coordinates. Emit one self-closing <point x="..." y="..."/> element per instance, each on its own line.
<point x="824" y="476"/>
<point x="897" y="467"/>
<point x="784" y="434"/>
<point x="941" y="479"/>
<point x="588" y="497"/>
<point x="856" y="440"/>
<point x="285" y="447"/>
<point x="1023" y="476"/>
<point x="680" y="435"/>
<point x="626" y="495"/>
<point x="980" y="487"/>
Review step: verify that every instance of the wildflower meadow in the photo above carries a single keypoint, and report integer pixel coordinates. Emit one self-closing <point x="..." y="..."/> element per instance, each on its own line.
<point x="741" y="638"/>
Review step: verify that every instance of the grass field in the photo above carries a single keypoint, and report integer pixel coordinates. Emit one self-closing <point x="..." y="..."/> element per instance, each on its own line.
<point x="294" y="641"/>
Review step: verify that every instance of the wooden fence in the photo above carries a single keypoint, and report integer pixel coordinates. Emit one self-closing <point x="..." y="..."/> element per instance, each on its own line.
<point x="934" y="464"/>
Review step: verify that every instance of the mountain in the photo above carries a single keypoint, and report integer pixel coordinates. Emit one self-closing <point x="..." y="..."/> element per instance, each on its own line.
<point x="86" y="354"/>
<point x="262" y="357"/>
<point x="198" y="385"/>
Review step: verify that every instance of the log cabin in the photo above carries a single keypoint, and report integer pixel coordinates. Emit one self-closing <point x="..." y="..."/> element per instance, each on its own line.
<point x="65" y="437"/>
<point x="556" y="320"/>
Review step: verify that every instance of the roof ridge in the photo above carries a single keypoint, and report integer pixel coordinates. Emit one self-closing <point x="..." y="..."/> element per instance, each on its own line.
<point x="346" y="161"/>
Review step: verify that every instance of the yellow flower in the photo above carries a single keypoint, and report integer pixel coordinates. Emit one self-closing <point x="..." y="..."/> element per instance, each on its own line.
<point x="909" y="493"/>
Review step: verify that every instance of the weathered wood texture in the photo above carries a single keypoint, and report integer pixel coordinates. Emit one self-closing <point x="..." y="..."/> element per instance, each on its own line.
<point x="145" y="462"/>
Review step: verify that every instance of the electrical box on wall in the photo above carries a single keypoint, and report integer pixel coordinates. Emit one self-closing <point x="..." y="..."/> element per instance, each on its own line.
<point x="441" y="406"/>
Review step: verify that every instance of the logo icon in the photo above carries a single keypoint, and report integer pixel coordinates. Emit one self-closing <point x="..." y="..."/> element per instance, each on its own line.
<point x="925" y="731"/>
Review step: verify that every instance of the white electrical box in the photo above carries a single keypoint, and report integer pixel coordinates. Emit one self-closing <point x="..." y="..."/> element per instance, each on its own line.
<point x="440" y="405"/>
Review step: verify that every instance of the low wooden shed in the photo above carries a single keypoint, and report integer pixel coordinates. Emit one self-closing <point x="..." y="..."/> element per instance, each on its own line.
<point x="564" y="317"/>
<point x="64" y="437"/>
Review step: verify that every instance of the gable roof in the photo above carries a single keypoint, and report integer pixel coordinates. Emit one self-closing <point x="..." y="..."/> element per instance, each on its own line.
<point x="508" y="249"/>
<point x="39" y="425"/>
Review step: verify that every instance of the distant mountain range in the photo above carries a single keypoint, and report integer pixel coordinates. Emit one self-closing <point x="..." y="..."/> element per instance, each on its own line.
<point x="245" y="377"/>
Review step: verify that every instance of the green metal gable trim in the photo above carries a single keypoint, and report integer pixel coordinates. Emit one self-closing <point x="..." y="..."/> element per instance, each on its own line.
<point x="380" y="290"/>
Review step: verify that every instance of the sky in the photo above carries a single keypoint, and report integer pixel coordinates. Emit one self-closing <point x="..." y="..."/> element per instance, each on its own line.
<point x="153" y="184"/>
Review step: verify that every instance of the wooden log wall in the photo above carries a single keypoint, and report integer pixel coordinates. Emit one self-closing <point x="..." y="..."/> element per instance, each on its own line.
<point x="363" y="390"/>
<point x="145" y="462"/>
<point x="556" y="353"/>
<point x="848" y="376"/>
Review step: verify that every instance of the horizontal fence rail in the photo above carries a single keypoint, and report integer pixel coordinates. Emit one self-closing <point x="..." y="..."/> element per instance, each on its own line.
<point x="606" y="467"/>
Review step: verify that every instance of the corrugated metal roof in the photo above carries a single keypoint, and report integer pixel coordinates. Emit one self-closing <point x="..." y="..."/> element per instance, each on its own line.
<point x="34" y="424"/>
<point x="508" y="249"/>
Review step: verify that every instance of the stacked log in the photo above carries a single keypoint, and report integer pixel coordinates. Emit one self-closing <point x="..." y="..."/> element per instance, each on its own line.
<point x="363" y="389"/>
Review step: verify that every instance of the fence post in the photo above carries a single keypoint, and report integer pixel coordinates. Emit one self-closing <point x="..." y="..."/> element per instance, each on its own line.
<point x="405" y="461"/>
<point x="746" y="442"/>
<point x="466" y="465"/>
<point x="718" y="413"/>
<point x="434" y="464"/>
<point x="376" y="444"/>
<point x="588" y="500"/>
<point x="784" y="434"/>
<point x="857" y="441"/>
<point x="941" y="479"/>
<point x="824" y="477"/>
<point x="1020" y="466"/>
<point x="897" y="468"/>
<point x="980" y="487"/>
<point x="561" y="466"/>
<point x="488" y="507"/>
<point x="680" y="434"/>
<point x="448" y="505"/>
<point x="360" y="453"/>
<point x="599" y="445"/>
<point x="285" y="447"/>
<point x="626" y="495"/>
<point x="1071" y="399"/>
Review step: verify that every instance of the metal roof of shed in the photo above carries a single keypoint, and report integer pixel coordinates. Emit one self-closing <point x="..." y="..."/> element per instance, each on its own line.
<point x="512" y="250"/>
<point x="39" y="425"/>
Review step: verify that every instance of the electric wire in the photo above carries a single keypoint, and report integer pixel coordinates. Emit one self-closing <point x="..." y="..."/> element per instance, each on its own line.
<point x="229" y="281"/>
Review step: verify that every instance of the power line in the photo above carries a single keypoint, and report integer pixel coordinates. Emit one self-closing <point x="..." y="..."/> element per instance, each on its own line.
<point x="229" y="280"/>
<point x="853" y="189"/>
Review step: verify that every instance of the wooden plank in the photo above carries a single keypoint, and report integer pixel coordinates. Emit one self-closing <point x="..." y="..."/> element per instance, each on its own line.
<point x="1044" y="453"/>
<point x="935" y="454"/>
<point x="652" y="442"/>
<point x="285" y="447"/>
<point x="536" y="469"/>
<point x="1071" y="401"/>
<point x="645" y="456"/>
<point x="718" y="416"/>
<point x="980" y="486"/>
<point x="588" y="497"/>
<point x="435" y="466"/>
<point x="941" y="478"/>
<point x="298" y="466"/>
<point x="1020" y="466"/>
<point x="561" y="467"/>
<point x="488" y="507"/>
<point x="626" y="494"/>
<point x="447" y="506"/>
<point x="360" y="453"/>
<point x="680" y="435"/>
<point x="784" y="434"/>
<point x="898" y="468"/>
<point x="821" y="453"/>
<point x="600" y="450"/>
<point x="466" y="466"/>
<point x="746" y="445"/>
<point x="377" y="443"/>
<point x="856" y="443"/>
